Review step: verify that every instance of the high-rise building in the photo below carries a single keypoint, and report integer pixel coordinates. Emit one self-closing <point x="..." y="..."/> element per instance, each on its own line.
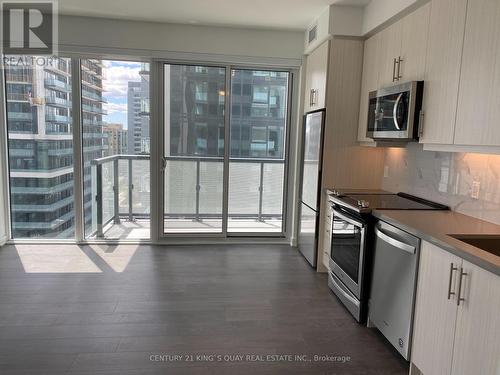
<point x="39" y="107"/>
<point x="257" y="120"/>
<point x="115" y="139"/>
<point x="133" y="117"/>
<point x="138" y="113"/>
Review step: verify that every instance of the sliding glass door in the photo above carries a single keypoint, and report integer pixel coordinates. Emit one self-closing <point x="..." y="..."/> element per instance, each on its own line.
<point x="79" y="145"/>
<point x="258" y="124"/>
<point x="194" y="113"/>
<point x="208" y="189"/>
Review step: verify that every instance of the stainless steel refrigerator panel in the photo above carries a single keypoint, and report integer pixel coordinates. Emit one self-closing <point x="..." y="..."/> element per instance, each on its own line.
<point x="308" y="233"/>
<point x="312" y="158"/>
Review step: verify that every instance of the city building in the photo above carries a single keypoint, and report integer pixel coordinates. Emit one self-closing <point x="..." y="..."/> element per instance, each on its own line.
<point x="258" y="110"/>
<point x="138" y="113"/>
<point x="115" y="139"/>
<point x="41" y="144"/>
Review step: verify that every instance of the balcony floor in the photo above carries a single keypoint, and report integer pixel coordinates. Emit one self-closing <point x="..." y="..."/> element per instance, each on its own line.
<point x="139" y="229"/>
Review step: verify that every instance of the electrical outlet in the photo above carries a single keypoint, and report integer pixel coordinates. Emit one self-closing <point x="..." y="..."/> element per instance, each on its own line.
<point x="476" y="186"/>
<point x="386" y="171"/>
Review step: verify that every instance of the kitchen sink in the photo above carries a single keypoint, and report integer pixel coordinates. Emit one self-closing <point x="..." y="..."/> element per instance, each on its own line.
<point x="489" y="243"/>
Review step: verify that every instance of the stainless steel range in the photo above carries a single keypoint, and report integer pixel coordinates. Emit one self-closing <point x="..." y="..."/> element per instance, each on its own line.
<point x="353" y="238"/>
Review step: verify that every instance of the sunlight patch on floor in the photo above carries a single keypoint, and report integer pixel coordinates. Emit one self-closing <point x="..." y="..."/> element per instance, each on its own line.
<point x="117" y="257"/>
<point x="55" y="259"/>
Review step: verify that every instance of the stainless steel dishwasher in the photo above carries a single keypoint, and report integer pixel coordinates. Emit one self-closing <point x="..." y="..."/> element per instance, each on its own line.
<point x="393" y="287"/>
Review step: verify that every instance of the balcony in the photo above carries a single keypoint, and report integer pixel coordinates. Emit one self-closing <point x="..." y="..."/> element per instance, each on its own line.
<point x="121" y="205"/>
<point x="92" y="96"/>
<point x="57" y="102"/>
<point x="94" y="109"/>
<point x="58" y="85"/>
<point x="23" y="116"/>
<point x="52" y="117"/>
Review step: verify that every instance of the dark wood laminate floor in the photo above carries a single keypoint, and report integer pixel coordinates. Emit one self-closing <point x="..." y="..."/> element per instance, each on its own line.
<point x="193" y="300"/>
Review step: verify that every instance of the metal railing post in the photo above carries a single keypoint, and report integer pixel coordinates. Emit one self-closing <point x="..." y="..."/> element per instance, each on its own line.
<point x="261" y="183"/>
<point x="116" y="191"/>
<point x="98" y="199"/>
<point x="130" y="189"/>
<point x="197" y="217"/>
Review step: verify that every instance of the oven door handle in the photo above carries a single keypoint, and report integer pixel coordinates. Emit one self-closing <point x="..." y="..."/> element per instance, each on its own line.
<point x="346" y="218"/>
<point x="392" y="241"/>
<point x="344" y="291"/>
<point x="395" y="111"/>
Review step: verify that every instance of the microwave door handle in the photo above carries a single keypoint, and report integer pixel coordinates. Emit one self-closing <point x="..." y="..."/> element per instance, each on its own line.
<point x="395" y="111"/>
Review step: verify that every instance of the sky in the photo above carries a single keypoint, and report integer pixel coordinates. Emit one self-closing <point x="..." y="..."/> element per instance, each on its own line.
<point x="116" y="76"/>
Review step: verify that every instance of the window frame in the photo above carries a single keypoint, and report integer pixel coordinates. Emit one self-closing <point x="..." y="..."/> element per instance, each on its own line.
<point x="156" y="59"/>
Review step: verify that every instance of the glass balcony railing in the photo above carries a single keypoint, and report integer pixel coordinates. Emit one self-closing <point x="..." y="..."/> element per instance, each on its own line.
<point x="59" y="102"/>
<point x="19" y="115"/>
<point x="93" y="96"/>
<point x="121" y="189"/>
<point x="57" y="118"/>
<point x="55" y="83"/>
<point x="94" y="109"/>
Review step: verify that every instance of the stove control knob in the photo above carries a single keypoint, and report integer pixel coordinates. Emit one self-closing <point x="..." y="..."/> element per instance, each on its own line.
<point x="363" y="204"/>
<point x="335" y="193"/>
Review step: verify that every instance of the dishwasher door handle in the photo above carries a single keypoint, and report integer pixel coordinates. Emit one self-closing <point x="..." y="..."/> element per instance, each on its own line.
<point x="396" y="243"/>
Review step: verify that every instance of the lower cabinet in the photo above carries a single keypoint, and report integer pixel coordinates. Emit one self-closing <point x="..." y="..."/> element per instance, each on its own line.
<point x="457" y="320"/>
<point x="327" y="237"/>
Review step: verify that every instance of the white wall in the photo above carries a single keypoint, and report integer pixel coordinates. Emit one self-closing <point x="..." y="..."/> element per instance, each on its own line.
<point x="379" y="12"/>
<point x="177" y="40"/>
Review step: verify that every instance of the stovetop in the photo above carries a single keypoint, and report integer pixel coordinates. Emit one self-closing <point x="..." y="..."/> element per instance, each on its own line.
<point x="364" y="202"/>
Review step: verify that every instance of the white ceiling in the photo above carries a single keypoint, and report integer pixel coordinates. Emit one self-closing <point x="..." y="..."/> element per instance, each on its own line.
<point x="277" y="14"/>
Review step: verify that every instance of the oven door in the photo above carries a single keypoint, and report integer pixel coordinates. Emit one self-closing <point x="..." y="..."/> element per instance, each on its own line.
<point x="348" y="250"/>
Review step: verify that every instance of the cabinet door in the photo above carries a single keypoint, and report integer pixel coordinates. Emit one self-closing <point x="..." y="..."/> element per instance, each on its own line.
<point x="442" y="70"/>
<point x="477" y="344"/>
<point x="414" y="45"/>
<point x="435" y="314"/>
<point x="307" y="85"/>
<point x="369" y="82"/>
<point x="327" y="239"/>
<point x="316" y="75"/>
<point x="389" y="49"/>
<point x="479" y="97"/>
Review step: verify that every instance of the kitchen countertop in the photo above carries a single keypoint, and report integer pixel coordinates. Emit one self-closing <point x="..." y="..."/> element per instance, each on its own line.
<point x="433" y="226"/>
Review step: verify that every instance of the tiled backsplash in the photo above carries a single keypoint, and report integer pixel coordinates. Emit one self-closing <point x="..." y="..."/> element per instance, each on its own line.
<point x="446" y="177"/>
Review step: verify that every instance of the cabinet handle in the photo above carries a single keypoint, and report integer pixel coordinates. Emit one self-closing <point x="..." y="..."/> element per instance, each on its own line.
<point x="311" y="93"/>
<point x="394" y="62"/>
<point x="314" y="96"/>
<point x="452" y="269"/>
<point x="421" y="124"/>
<point x="462" y="274"/>
<point x="399" y="76"/>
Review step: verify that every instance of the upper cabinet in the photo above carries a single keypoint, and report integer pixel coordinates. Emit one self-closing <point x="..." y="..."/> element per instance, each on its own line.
<point x="403" y="47"/>
<point x="369" y="82"/>
<point x="414" y="35"/>
<point x="454" y="47"/>
<point x="389" y="54"/>
<point x="316" y="77"/>
<point x="478" y="110"/>
<point x="442" y="73"/>
<point x="396" y="54"/>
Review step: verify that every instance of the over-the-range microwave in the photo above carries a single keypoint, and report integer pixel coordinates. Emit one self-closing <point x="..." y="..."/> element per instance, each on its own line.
<point x="394" y="112"/>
